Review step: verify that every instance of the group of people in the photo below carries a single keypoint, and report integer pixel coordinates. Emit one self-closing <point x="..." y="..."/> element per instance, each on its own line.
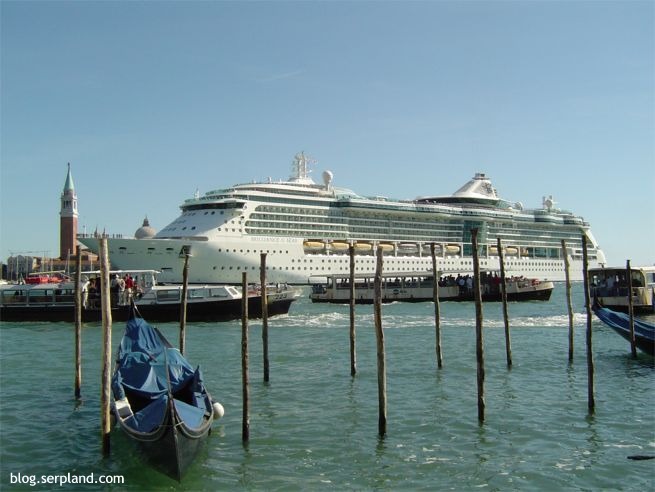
<point x="613" y="284"/>
<point x="490" y="282"/>
<point x="122" y="289"/>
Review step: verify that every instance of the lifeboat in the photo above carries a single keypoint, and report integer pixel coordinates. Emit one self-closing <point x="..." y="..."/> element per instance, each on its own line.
<point x="387" y="248"/>
<point x="407" y="248"/>
<point x="426" y="249"/>
<point x="511" y="251"/>
<point x="363" y="247"/>
<point x="339" y="246"/>
<point x="452" y="249"/>
<point x="313" y="245"/>
<point x="524" y="252"/>
<point x="493" y="250"/>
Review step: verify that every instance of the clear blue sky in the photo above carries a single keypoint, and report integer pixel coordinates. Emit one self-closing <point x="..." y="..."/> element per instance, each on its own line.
<point x="150" y="101"/>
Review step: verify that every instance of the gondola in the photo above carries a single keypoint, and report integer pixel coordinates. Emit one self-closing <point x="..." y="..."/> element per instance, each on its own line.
<point x="160" y="401"/>
<point x="620" y="323"/>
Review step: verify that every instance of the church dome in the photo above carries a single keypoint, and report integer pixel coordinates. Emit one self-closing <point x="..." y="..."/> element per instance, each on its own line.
<point x="145" y="231"/>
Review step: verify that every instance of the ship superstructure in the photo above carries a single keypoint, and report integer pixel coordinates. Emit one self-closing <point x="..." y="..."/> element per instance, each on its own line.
<point x="306" y="230"/>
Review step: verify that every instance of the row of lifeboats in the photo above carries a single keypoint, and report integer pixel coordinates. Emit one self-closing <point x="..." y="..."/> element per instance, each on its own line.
<point x="363" y="247"/>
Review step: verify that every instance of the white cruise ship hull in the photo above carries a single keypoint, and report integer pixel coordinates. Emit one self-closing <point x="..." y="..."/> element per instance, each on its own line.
<point x="287" y="261"/>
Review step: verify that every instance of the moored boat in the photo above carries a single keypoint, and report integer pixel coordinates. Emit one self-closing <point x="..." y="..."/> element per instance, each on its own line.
<point x="157" y="302"/>
<point x="644" y="332"/>
<point x="160" y="400"/>
<point x="610" y="287"/>
<point x="419" y="287"/>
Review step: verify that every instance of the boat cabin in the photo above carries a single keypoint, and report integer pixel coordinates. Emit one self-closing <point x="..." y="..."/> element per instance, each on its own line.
<point x="610" y="287"/>
<point x="419" y="287"/>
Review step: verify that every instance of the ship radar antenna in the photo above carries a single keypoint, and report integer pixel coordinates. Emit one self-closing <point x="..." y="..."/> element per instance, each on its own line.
<point x="300" y="166"/>
<point x="548" y="203"/>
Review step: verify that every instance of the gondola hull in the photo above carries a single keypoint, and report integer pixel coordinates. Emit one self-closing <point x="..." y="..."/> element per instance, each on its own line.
<point x="172" y="447"/>
<point x="644" y="332"/>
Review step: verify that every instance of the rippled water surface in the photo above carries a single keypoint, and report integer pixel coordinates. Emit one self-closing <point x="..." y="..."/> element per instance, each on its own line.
<point x="314" y="427"/>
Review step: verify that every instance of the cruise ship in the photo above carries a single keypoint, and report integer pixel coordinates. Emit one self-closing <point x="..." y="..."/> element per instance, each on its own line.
<point x="306" y="230"/>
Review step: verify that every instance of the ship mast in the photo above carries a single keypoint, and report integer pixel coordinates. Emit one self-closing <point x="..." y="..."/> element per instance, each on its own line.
<point x="300" y="168"/>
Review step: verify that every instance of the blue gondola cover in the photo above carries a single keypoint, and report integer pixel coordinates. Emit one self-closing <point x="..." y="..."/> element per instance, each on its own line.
<point x="143" y="357"/>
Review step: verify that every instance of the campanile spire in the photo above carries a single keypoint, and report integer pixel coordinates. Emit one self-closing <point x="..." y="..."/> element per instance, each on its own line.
<point x="68" y="218"/>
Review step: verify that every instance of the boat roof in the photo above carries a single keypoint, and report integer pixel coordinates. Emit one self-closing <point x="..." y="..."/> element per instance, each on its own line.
<point x="648" y="268"/>
<point x="417" y="273"/>
<point x="98" y="272"/>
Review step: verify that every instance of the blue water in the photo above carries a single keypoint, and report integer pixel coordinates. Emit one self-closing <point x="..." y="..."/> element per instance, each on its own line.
<point x="314" y="427"/>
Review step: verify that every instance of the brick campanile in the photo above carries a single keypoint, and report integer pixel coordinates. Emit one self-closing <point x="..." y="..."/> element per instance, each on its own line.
<point x="68" y="219"/>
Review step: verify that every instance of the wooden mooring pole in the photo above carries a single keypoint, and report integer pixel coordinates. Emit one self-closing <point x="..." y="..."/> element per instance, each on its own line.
<point x="245" y="427"/>
<point x="183" y="304"/>
<point x="264" y="297"/>
<point x="631" y="311"/>
<point x="78" y="326"/>
<point x="591" y="403"/>
<point x="569" y="305"/>
<point x="379" y="336"/>
<point x="503" y="291"/>
<point x="479" y="345"/>
<point x="437" y="308"/>
<point x="353" y="352"/>
<point x="105" y="303"/>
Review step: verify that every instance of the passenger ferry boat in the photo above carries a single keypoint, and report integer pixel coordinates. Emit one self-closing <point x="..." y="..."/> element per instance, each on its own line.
<point x="306" y="229"/>
<point x="610" y="287"/>
<point x="419" y="287"/>
<point x="156" y="302"/>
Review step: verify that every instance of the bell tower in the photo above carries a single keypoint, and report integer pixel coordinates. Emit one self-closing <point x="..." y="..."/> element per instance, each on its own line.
<point x="68" y="219"/>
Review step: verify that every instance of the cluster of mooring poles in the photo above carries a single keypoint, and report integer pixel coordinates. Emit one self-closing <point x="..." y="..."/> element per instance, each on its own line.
<point x="379" y="331"/>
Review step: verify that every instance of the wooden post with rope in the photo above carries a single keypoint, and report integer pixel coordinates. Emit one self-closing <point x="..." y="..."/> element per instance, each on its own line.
<point x="353" y="353"/>
<point x="479" y="345"/>
<point x="569" y="305"/>
<point x="379" y="336"/>
<point x="437" y="308"/>
<point x="78" y="325"/>
<point x="503" y="291"/>
<point x="105" y="300"/>
<point x="264" y="297"/>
